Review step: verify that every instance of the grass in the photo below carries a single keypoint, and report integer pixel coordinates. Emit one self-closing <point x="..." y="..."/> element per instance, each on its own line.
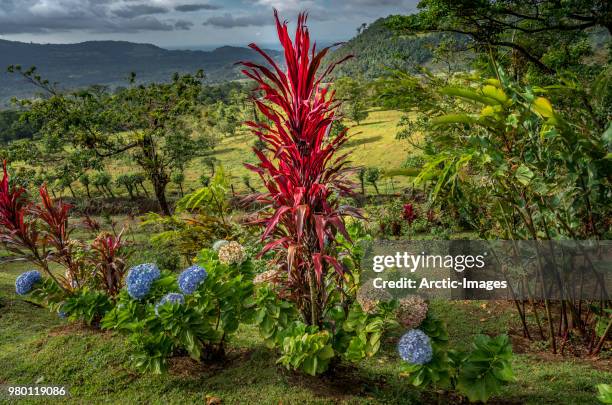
<point x="38" y="347"/>
<point x="372" y="144"/>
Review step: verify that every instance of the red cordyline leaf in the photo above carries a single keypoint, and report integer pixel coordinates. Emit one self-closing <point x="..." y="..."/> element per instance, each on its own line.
<point x="300" y="166"/>
<point x="55" y="214"/>
<point x="15" y="231"/>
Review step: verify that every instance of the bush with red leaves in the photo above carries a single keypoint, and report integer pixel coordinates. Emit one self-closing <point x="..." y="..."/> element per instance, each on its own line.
<point x="301" y="169"/>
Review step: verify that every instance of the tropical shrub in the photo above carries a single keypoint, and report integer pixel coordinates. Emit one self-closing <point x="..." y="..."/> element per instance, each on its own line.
<point x="515" y="166"/>
<point x="477" y="374"/>
<point x="41" y="234"/>
<point x="302" y="215"/>
<point x="302" y="218"/>
<point x="200" y="218"/>
<point x="194" y="313"/>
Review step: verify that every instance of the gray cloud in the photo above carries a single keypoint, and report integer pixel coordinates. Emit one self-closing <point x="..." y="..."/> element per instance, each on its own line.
<point x="183" y="25"/>
<point x="94" y="16"/>
<point x="137" y="10"/>
<point x="186" y="8"/>
<point x="228" y="20"/>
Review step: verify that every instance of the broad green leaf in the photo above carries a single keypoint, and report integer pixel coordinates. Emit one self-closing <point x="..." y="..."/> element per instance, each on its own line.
<point x="524" y="175"/>
<point x="543" y="107"/>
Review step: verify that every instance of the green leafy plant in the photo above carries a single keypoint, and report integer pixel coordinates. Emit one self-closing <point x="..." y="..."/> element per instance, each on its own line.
<point x="306" y="348"/>
<point x="604" y="393"/>
<point x="198" y="326"/>
<point x="85" y="305"/>
<point x="477" y="374"/>
<point x="200" y="218"/>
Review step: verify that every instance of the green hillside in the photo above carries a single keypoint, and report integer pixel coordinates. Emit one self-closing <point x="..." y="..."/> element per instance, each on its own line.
<point x="377" y="48"/>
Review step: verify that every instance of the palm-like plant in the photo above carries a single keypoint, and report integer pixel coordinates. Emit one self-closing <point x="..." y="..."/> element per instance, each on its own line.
<point x="301" y="169"/>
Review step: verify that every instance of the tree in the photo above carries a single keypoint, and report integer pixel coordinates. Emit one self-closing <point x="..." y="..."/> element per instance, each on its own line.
<point x="102" y="181"/>
<point x="178" y="178"/>
<point x="127" y="181"/>
<point x="372" y="175"/>
<point x="353" y="94"/>
<point x="85" y="181"/>
<point x="530" y="29"/>
<point x="152" y="123"/>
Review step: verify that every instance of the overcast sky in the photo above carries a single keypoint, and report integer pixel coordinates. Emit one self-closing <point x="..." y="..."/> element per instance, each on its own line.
<point x="183" y="23"/>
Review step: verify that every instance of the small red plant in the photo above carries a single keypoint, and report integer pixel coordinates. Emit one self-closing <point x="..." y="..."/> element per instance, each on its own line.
<point x="40" y="233"/>
<point x="109" y="261"/>
<point x="300" y="166"/>
<point x="410" y="214"/>
<point x="18" y="233"/>
<point x="431" y="216"/>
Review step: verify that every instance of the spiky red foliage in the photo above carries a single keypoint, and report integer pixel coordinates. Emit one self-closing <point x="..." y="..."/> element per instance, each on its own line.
<point x="410" y="214"/>
<point x="300" y="166"/>
<point x="15" y="231"/>
<point x="37" y="233"/>
<point x="109" y="261"/>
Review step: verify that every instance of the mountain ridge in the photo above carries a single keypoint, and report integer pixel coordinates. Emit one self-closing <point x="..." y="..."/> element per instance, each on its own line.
<point x="110" y="63"/>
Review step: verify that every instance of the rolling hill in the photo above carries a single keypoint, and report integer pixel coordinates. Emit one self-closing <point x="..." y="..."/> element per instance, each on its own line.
<point x="110" y="63"/>
<point x="376" y="48"/>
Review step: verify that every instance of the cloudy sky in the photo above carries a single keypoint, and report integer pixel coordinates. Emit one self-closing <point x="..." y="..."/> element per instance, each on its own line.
<point x="183" y="23"/>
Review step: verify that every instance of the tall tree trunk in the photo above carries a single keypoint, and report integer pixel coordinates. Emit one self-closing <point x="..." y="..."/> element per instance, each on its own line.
<point x="87" y="190"/>
<point x="160" y="194"/>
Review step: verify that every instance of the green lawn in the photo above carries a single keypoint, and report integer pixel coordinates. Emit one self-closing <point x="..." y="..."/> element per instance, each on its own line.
<point x="36" y="346"/>
<point x="372" y="143"/>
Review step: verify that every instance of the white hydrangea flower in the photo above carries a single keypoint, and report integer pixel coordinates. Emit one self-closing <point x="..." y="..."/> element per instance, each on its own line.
<point x="232" y="253"/>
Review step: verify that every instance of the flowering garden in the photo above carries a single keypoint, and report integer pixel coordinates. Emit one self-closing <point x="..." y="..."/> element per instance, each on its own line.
<point x="264" y="302"/>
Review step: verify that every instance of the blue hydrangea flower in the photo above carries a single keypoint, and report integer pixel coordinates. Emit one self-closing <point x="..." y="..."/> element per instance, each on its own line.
<point x="140" y="278"/>
<point x="191" y="278"/>
<point x="415" y="347"/>
<point x="172" y="298"/>
<point x="25" y="282"/>
<point x="218" y="244"/>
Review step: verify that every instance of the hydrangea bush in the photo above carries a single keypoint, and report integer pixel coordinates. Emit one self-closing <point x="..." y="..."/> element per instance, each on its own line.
<point x="478" y="374"/>
<point x="170" y="298"/>
<point x="415" y="347"/>
<point x="213" y="299"/>
<point x="140" y="278"/>
<point x="26" y="281"/>
<point x="411" y="311"/>
<point x="191" y="278"/>
<point x="231" y="253"/>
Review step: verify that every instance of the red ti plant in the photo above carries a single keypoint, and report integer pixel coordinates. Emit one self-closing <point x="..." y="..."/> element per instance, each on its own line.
<point x="18" y="234"/>
<point x="410" y="214"/>
<point x="109" y="261"/>
<point x="301" y="169"/>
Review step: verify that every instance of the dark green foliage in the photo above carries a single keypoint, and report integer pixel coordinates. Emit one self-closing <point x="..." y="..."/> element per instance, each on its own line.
<point x="354" y="96"/>
<point x="546" y="35"/>
<point x="372" y="175"/>
<point x="12" y="128"/>
<point x="86" y="305"/>
<point x="377" y="48"/>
